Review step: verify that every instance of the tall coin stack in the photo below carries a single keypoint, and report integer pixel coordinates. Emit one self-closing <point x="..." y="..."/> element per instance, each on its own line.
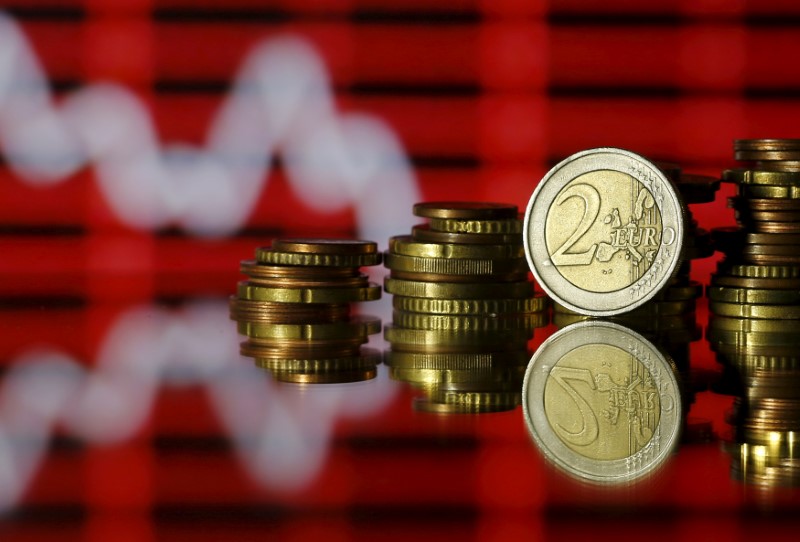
<point x="464" y="307"/>
<point x="294" y="310"/>
<point x="754" y="298"/>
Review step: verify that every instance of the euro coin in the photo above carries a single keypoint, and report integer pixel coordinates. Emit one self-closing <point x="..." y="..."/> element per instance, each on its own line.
<point x="489" y="306"/>
<point x="604" y="231"/>
<point x="465" y="210"/>
<point x="450" y="225"/>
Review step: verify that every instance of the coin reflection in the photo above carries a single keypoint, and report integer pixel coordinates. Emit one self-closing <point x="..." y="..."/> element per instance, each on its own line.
<point x="602" y="403"/>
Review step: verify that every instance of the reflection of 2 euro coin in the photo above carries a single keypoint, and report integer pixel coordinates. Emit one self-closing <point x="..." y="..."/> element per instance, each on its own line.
<point x="604" y="231"/>
<point x="602" y="403"/>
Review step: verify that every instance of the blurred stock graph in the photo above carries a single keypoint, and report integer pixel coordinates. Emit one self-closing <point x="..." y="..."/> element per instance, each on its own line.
<point x="148" y="145"/>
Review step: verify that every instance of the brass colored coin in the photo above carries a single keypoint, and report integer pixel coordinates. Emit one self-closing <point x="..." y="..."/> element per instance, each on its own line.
<point x="772" y="250"/>
<point x="429" y="406"/>
<point x="569" y="397"/>
<point x="476" y="402"/>
<point x="286" y="313"/>
<point x="407" y="246"/>
<point x="757" y="283"/>
<point x="737" y="310"/>
<point x="267" y="255"/>
<point x="456" y="360"/>
<point x="470" y="306"/>
<point x="254" y="269"/>
<point x="449" y="225"/>
<point x="753" y="296"/>
<point x="301" y="349"/>
<point x="325" y="246"/>
<point x="250" y="292"/>
<point x="367" y="358"/>
<point x="458" y="290"/>
<point x="759" y="271"/>
<point x="424" y="234"/>
<point x="431" y="277"/>
<point x="487" y="378"/>
<point x="466" y="210"/>
<point x="357" y="326"/>
<point x="769" y="191"/>
<point x="751" y="325"/>
<point x="604" y="231"/>
<point x="764" y="204"/>
<point x="448" y="322"/>
<point x="453" y="266"/>
<point x="757" y="218"/>
<point x="761" y="177"/>
<point x="400" y="336"/>
<point x="766" y="149"/>
<point x="734" y="237"/>
<point x="357" y="281"/>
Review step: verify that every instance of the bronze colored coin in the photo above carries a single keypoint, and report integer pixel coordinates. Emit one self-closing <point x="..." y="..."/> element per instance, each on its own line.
<point x="457" y="360"/>
<point x="771" y="312"/>
<point x="490" y="306"/>
<point x="450" y="225"/>
<point x="356" y="281"/>
<point x="735" y="237"/>
<point x="697" y="188"/>
<point x="568" y="397"/>
<point x="253" y="292"/>
<point x="282" y="350"/>
<point x="265" y="255"/>
<point x="367" y="358"/>
<point x="604" y="231"/>
<point x="286" y="313"/>
<point x="336" y="377"/>
<point x="758" y="283"/>
<point x="325" y="246"/>
<point x="480" y="401"/>
<point x="458" y="290"/>
<point x="430" y="406"/>
<point x="751" y="325"/>
<point x="775" y="227"/>
<point x="436" y="378"/>
<point x="252" y="268"/>
<point x="768" y="259"/>
<point x="759" y="271"/>
<point x="771" y="250"/>
<point x="424" y="234"/>
<point x="452" y="266"/>
<point x="448" y="322"/>
<point x="432" y="277"/>
<point x="466" y="210"/>
<point x="357" y="326"/>
<point x="764" y="204"/>
<point x="766" y="149"/>
<point x="750" y="217"/>
<point x="407" y="246"/>
<point x="761" y="177"/>
<point x="769" y="191"/>
<point x="753" y="296"/>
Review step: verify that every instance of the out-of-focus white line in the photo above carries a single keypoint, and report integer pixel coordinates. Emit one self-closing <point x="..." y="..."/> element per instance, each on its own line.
<point x="281" y="103"/>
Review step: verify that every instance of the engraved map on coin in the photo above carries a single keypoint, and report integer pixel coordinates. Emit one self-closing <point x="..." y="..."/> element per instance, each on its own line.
<point x="603" y="224"/>
<point x="602" y="403"/>
<point x="603" y="231"/>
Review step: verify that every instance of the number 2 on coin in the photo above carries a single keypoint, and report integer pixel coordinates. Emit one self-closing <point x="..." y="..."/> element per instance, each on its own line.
<point x="591" y="208"/>
<point x="590" y="428"/>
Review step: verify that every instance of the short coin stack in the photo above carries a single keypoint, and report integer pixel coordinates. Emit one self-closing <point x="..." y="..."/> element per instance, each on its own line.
<point x="754" y="298"/>
<point x="464" y="307"/>
<point x="295" y="310"/>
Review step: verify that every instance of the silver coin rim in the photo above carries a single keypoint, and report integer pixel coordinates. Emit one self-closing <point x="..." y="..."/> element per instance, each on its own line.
<point x="555" y="451"/>
<point x="550" y="279"/>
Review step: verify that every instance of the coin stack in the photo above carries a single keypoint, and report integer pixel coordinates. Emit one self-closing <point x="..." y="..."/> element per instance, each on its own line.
<point x="762" y="370"/>
<point x="755" y="304"/>
<point x="295" y="310"/>
<point x="464" y="307"/>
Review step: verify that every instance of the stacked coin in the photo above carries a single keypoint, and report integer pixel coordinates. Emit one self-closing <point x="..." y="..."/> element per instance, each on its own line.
<point x="464" y="307"/>
<point x="761" y="363"/>
<point x="294" y="310"/>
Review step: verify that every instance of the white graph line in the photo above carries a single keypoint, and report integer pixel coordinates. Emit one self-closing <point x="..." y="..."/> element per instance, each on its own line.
<point x="281" y="102"/>
<point x="282" y="433"/>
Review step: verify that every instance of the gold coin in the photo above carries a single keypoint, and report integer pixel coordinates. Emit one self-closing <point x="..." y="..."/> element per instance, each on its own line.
<point x="739" y="310"/>
<point x="764" y="204"/>
<point x="265" y="255"/>
<point x="325" y="246"/>
<point x="756" y="219"/>
<point x="477" y="402"/>
<point x="436" y="377"/>
<point x="424" y="234"/>
<point x="753" y="296"/>
<point x="251" y="292"/>
<point x="432" y="277"/>
<point x="471" y="306"/>
<point x="510" y="338"/>
<point x="254" y="269"/>
<point x="757" y="283"/>
<point x="769" y="191"/>
<point x="751" y="325"/>
<point x="759" y="271"/>
<point x="458" y="290"/>
<point x="761" y="177"/>
<point x="734" y="238"/>
<point x="301" y="349"/>
<point x="367" y="358"/>
<point x="287" y="313"/>
<point x="335" y="377"/>
<point x="571" y="398"/>
<point x="450" y="225"/>
<point x="604" y="231"/>
<point x="405" y="245"/>
<point x="449" y="322"/>
<point x="453" y="266"/>
<point x="775" y="227"/>
<point x="456" y="360"/>
<point x="771" y="250"/>
<point x="466" y="210"/>
<point x="357" y="326"/>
